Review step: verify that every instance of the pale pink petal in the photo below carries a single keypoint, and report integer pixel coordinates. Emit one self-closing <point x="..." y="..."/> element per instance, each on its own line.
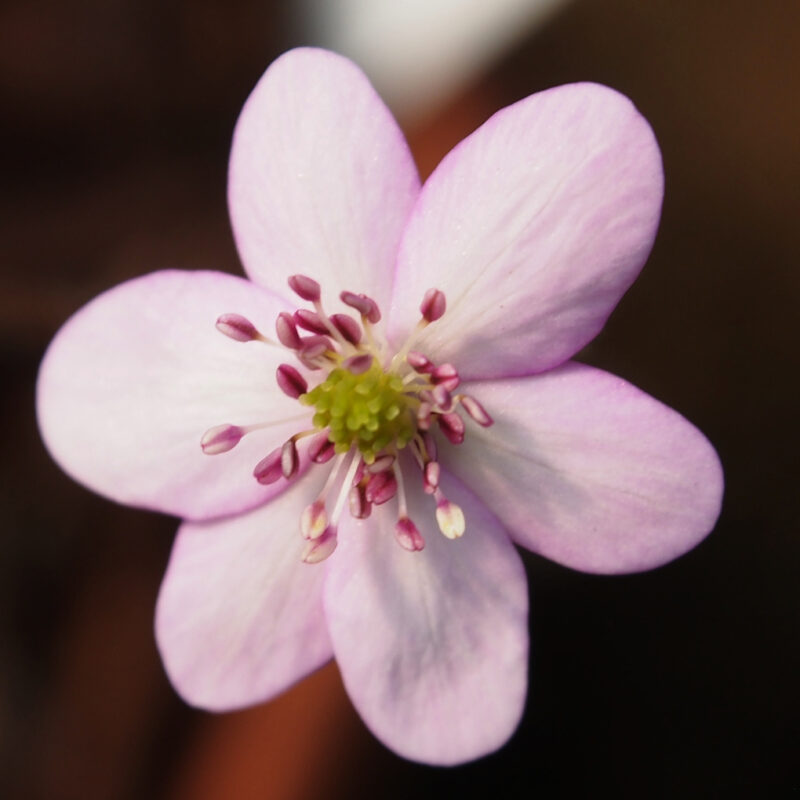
<point x="239" y="616"/>
<point x="321" y="180"/>
<point x="533" y="227"/>
<point x="432" y="645"/>
<point x="589" y="471"/>
<point x="134" y="379"/>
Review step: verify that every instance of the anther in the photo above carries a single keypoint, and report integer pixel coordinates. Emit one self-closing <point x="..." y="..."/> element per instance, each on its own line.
<point x="287" y="331"/>
<point x="221" y="438"/>
<point x="268" y="470"/>
<point x="289" y="459"/>
<point x="381" y="488"/>
<point x="430" y="477"/>
<point x="305" y="287"/>
<point x="310" y="321"/>
<point x="239" y="328"/>
<point x="322" y="449"/>
<point x="320" y="548"/>
<point x="447" y="376"/>
<point x="312" y="349"/>
<point x="365" y="306"/>
<point x="381" y="464"/>
<point x="452" y="426"/>
<point x="291" y="382"/>
<point x="348" y="327"/>
<point x="314" y="520"/>
<point x="449" y="517"/>
<point x="475" y="410"/>
<point x="433" y="305"/>
<point x="424" y="416"/>
<point x="407" y="535"/>
<point x="442" y="399"/>
<point x="360" y="508"/>
<point x="419" y="361"/>
<point x="359" y="364"/>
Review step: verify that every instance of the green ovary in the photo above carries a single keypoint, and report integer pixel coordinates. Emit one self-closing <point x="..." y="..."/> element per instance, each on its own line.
<point x="367" y="410"/>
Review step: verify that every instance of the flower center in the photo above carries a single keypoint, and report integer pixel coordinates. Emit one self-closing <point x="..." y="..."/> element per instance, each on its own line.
<point x="368" y="411"/>
<point x="367" y="408"/>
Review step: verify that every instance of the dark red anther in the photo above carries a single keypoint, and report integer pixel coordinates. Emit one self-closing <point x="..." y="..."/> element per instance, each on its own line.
<point x="447" y="376"/>
<point x="322" y="449"/>
<point x="360" y="508"/>
<point x="433" y="305"/>
<point x="452" y="426"/>
<point x="348" y="327"/>
<point x="419" y="361"/>
<point x="268" y="470"/>
<point x="310" y="321"/>
<point x="381" y="487"/>
<point x="408" y="535"/>
<point x="305" y="287"/>
<point x="442" y="399"/>
<point x="359" y="364"/>
<point x="365" y="306"/>
<point x="287" y="331"/>
<point x="238" y="327"/>
<point x="292" y="383"/>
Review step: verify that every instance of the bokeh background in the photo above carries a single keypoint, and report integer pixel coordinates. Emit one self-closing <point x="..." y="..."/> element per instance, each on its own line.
<point x="115" y="119"/>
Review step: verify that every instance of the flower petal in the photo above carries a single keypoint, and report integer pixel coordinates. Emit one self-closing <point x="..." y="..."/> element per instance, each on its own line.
<point x="432" y="645"/>
<point x="134" y="379"/>
<point x="534" y="227"/>
<point x="590" y="471"/>
<point x="239" y="616"/>
<point x="321" y="180"/>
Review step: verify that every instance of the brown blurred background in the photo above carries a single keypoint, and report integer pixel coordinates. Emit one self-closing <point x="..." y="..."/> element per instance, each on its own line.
<point x="115" y="117"/>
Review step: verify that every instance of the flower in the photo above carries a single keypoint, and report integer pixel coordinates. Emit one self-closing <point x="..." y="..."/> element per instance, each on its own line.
<point x="402" y="429"/>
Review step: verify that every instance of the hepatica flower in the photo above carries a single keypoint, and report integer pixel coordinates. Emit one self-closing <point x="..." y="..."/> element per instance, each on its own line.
<point x="357" y="436"/>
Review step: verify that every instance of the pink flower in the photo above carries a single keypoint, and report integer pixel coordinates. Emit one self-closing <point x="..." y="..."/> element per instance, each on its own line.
<point x="431" y="348"/>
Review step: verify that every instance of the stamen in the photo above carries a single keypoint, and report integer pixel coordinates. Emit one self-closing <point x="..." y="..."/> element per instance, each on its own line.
<point x="290" y="460"/>
<point x="442" y="399"/>
<point x="305" y="287"/>
<point x="408" y="536"/>
<point x="322" y="449"/>
<point x="320" y="548"/>
<point x="287" y="331"/>
<point x="446" y="375"/>
<point x="419" y="361"/>
<point x="240" y="328"/>
<point x="449" y="517"/>
<point x="433" y="305"/>
<point x="345" y="490"/>
<point x="269" y="469"/>
<point x="381" y="487"/>
<point x="313" y="350"/>
<point x="220" y="439"/>
<point x="360" y="508"/>
<point x="430" y="477"/>
<point x="381" y="464"/>
<point x="365" y="306"/>
<point x="310" y="321"/>
<point x="348" y="327"/>
<point x="475" y="410"/>
<point x="452" y="426"/>
<point x="291" y="382"/>
<point x="314" y="520"/>
<point x="359" y="364"/>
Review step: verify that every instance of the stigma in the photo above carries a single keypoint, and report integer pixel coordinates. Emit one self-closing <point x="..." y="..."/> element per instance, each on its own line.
<point x="374" y="414"/>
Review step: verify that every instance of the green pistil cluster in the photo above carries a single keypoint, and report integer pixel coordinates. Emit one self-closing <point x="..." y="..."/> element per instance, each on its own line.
<point x="368" y="410"/>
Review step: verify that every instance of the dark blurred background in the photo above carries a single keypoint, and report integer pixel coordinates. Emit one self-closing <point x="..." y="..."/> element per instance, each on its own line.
<point x="115" y="119"/>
